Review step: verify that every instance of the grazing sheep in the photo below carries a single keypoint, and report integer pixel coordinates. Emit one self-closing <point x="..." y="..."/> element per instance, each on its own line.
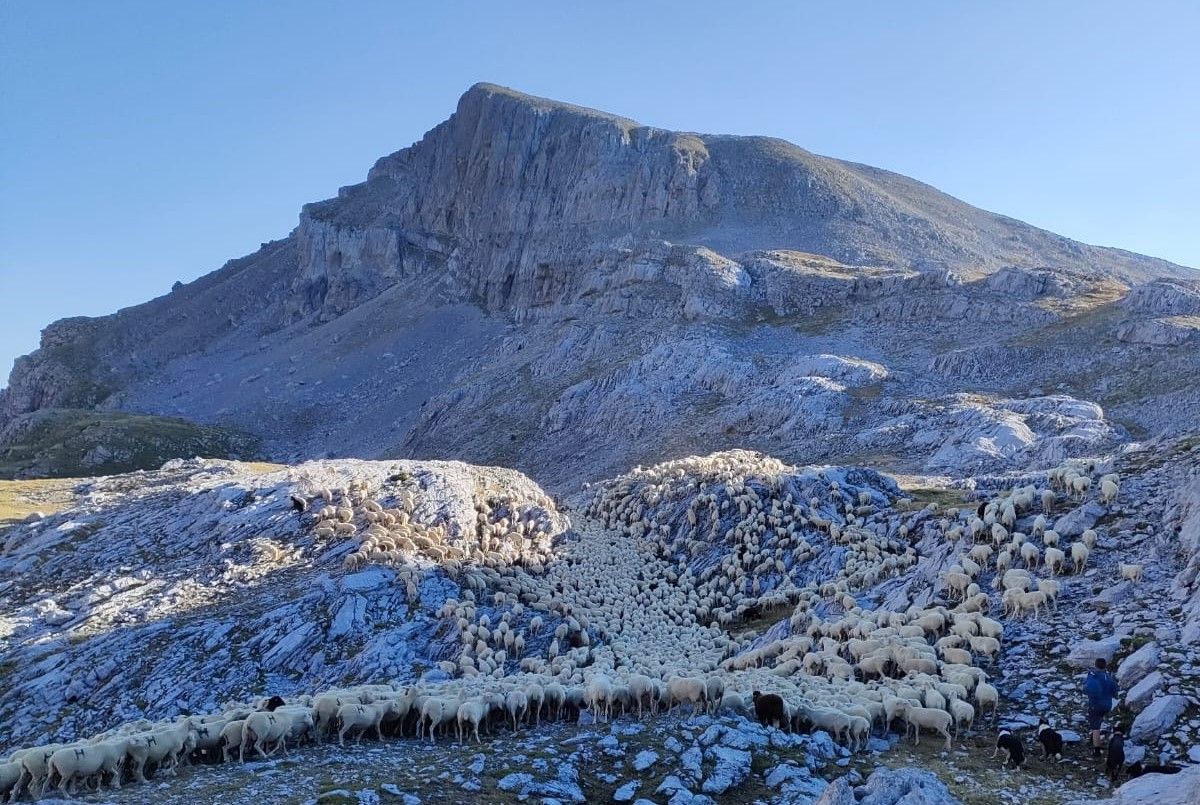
<point x="919" y="718"/>
<point x="985" y="694"/>
<point x="963" y="714"/>
<point x="1055" y="559"/>
<point x="687" y="689"/>
<point x="1131" y="572"/>
<point x="1079" y="555"/>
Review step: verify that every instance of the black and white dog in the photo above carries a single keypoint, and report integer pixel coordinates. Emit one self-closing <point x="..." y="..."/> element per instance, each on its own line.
<point x="1014" y="749"/>
<point x="1050" y="739"/>
<point x="1114" y="764"/>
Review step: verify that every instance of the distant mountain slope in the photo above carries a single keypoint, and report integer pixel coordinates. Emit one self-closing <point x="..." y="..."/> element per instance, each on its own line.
<point x="531" y="275"/>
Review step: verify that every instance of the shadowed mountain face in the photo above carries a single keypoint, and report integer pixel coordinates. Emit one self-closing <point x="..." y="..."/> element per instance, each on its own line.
<point x="561" y="290"/>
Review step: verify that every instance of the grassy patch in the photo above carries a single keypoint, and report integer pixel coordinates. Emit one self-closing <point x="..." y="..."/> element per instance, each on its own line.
<point x="19" y="499"/>
<point x="922" y="496"/>
<point x="58" y="443"/>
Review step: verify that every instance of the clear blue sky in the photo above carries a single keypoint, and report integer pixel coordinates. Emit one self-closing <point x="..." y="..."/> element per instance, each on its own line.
<point x="145" y="142"/>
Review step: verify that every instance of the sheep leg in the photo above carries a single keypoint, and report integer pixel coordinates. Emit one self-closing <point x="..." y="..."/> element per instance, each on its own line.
<point x="947" y="734"/>
<point x="379" y="729"/>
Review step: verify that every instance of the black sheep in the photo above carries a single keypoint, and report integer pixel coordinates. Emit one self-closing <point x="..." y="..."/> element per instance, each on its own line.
<point x="770" y="710"/>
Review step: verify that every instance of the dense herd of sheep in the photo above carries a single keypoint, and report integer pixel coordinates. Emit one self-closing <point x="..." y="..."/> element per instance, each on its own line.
<point x="632" y="615"/>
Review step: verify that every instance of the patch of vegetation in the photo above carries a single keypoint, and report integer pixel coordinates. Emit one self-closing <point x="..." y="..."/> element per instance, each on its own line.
<point x="19" y="499"/>
<point x="69" y="442"/>
<point x="920" y="497"/>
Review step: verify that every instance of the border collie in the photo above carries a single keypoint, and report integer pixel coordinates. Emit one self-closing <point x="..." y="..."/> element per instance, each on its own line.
<point x="1114" y="764"/>
<point x="1014" y="748"/>
<point x="1050" y="739"/>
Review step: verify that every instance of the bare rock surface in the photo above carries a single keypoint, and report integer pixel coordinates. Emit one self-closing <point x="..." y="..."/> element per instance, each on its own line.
<point x="602" y="293"/>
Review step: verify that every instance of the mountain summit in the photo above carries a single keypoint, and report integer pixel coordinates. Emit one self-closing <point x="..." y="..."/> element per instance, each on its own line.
<point x="569" y="292"/>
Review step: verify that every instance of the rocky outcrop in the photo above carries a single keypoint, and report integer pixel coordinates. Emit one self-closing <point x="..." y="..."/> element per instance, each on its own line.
<point x="889" y="787"/>
<point x="1161" y="789"/>
<point x="530" y="273"/>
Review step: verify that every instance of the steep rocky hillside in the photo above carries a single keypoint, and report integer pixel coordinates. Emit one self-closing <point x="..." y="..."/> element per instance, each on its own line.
<point x="612" y="639"/>
<point x="560" y="290"/>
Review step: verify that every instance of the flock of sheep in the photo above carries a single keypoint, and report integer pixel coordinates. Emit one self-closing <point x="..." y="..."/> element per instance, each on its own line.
<point x="631" y="614"/>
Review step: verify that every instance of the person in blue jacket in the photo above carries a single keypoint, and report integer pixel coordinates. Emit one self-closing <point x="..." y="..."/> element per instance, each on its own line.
<point x="1101" y="690"/>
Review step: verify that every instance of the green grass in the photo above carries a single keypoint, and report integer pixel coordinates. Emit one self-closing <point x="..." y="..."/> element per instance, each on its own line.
<point x="59" y="443"/>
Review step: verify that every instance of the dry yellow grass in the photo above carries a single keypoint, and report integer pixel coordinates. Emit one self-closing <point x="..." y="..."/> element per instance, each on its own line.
<point x="18" y="499"/>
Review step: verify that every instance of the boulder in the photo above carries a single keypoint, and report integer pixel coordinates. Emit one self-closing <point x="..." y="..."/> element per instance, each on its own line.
<point x="890" y="787"/>
<point x="1161" y="789"/>
<point x="1137" y="665"/>
<point x="627" y="791"/>
<point x="732" y="767"/>
<point x="1140" y="694"/>
<point x="645" y="759"/>
<point x="1076" y="521"/>
<point x="1085" y="653"/>
<point x="1158" y="717"/>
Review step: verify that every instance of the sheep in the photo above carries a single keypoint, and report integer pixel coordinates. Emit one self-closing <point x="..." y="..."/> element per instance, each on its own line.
<point x="360" y="718"/>
<point x="162" y="747"/>
<point x="987" y="646"/>
<point x="1109" y="490"/>
<point x="516" y="704"/>
<point x="963" y="714"/>
<point x="79" y="762"/>
<point x="1131" y="572"/>
<point x="1088" y="538"/>
<point x="1031" y="602"/>
<point x="1055" y="560"/>
<point x="231" y="736"/>
<point x="472" y="712"/>
<point x="1050" y="588"/>
<point x="1079" y="555"/>
<point x="10" y="774"/>
<point x="687" y="689"/>
<point x="770" y="709"/>
<point x="1031" y="554"/>
<point x="599" y="696"/>
<point x="924" y="717"/>
<point x="985" y="694"/>
<point x="714" y="690"/>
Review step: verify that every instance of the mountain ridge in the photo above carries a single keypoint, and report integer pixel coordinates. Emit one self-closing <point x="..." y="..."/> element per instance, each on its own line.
<point x="603" y="245"/>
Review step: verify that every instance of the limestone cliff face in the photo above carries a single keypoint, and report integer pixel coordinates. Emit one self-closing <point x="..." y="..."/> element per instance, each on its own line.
<point x="569" y="292"/>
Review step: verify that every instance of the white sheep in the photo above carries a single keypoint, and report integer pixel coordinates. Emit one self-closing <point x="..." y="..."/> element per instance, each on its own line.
<point x="1079" y="555"/>
<point x="919" y="718"/>
<point x="1131" y="572"/>
<point x="75" y="763"/>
